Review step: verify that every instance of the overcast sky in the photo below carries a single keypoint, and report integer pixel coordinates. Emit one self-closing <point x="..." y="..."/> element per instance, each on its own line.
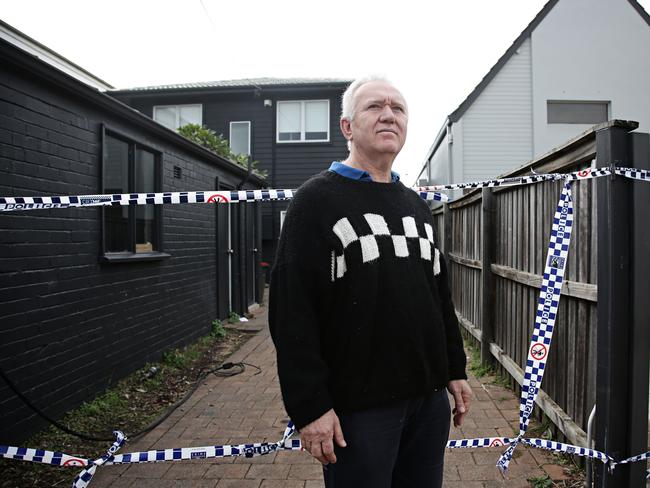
<point x="435" y="51"/>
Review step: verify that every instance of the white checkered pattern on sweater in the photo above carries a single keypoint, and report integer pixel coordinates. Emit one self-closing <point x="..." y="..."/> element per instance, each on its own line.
<point x="369" y="248"/>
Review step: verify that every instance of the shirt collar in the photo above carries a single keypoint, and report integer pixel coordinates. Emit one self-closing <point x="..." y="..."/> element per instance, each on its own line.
<point x="356" y="174"/>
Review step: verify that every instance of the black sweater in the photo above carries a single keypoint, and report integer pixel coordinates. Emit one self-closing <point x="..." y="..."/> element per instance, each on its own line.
<point x="360" y="309"/>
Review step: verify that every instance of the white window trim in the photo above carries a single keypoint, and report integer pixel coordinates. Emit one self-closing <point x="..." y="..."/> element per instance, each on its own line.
<point x="249" y="133"/>
<point x="302" y="122"/>
<point x="178" y="112"/>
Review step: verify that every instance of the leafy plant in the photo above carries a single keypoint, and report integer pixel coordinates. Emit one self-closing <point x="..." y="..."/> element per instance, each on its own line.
<point x="541" y="482"/>
<point x="218" y="144"/>
<point x="475" y="365"/>
<point x="218" y="329"/>
<point x="179" y="358"/>
<point x="233" y="317"/>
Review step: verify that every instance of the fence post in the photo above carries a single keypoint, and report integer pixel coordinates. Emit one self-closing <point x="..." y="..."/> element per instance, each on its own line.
<point x="614" y="304"/>
<point x="446" y="240"/>
<point x="640" y="332"/>
<point x="487" y="278"/>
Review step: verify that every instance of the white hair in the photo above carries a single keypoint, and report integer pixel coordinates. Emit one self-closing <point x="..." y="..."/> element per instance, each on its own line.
<point x="347" y="103"/>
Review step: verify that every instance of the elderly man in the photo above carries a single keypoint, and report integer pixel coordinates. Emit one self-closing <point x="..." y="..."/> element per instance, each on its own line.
<point x="361" y="314"/>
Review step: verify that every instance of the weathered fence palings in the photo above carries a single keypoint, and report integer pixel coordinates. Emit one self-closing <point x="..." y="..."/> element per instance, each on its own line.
<point x="495" y="283"/>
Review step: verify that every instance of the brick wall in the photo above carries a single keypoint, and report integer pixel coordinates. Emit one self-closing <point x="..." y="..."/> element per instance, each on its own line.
<point x="70" y="324"/>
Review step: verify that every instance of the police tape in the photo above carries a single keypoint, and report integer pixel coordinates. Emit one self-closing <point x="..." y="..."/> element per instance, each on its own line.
<point x="547" y="307"/>
<point x="428" y="193"/>
<point x="84" y="478"/>
<point x="9" y="204"/>
<point x="584" y="174"/>
<point x="548" y="304"/>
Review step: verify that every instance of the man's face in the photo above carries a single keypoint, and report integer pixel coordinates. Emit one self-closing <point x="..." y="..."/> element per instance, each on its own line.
<point x="380" y="119"/>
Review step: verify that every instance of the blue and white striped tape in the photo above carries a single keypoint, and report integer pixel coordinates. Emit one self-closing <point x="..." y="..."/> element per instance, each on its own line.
<point x="547" y="307"/>
<point x="535" y="363"/>
<point x="429" y="193"/>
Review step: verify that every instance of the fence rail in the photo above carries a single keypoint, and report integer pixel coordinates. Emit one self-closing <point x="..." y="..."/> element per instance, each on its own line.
<point x="495" y="241"/>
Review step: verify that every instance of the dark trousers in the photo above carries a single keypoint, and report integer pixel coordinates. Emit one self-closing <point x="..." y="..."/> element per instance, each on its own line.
<point x="401" y="445"/>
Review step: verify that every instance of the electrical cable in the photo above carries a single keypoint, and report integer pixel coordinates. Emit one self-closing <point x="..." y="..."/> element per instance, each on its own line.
<point x="239" y="367"/>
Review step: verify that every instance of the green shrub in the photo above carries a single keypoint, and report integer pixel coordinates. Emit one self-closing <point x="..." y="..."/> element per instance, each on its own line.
<point x="218" y="329"/>
<point x="218" y="144"/>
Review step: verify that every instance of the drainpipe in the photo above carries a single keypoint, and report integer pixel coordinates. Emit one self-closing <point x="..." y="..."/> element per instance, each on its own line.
<point x="590" y="435"/>
<point x="450" y="154"/>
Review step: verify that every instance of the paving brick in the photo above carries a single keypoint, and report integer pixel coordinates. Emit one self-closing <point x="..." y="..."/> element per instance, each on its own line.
<point x="147" y="470"/>
<point x="293" y="457"/>
<point x="185" y="471"/>
<point x="248" y="408"/>
<point x="238" y="484"/>
<point x="479" y="473"/>
<point x="314" y="484"/>
<point x="268" y="471"/>
<point x="282" y="484"/>
<point x="228" y="471"/>
<point x="305" y="472"/>
<point x="555" y="472"/>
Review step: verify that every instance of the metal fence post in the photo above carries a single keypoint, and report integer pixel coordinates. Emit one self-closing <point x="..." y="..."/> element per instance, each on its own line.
<point x="614" y="307"/>
<point x="487" y="278"/>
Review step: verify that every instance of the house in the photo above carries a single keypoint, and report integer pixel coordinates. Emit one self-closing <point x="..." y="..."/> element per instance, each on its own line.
<point x="290" y="126"/>
<point x="578" y="63"/>
<point x="88" y="295"/>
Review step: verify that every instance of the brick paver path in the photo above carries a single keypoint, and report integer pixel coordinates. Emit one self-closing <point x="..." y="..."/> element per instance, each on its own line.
<point x="248" y="408"/>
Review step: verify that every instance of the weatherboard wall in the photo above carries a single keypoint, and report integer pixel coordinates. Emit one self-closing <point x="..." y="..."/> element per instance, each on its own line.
<point x="497" y="127"/>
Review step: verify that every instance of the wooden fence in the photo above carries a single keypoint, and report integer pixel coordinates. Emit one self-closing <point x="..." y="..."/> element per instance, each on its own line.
<point x="495" y="241"/>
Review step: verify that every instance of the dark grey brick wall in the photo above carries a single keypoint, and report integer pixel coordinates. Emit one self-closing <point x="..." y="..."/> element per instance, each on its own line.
<point x="70" y="325"/>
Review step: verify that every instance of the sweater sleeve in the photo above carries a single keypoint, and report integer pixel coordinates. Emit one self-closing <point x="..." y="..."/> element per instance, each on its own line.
<point x="298" y="298"/>
<point x="455" y="351"/>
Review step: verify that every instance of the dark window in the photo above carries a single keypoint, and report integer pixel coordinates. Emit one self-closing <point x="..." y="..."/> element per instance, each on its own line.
<point x="576" y="112"/>
<point x="129" y="168"/>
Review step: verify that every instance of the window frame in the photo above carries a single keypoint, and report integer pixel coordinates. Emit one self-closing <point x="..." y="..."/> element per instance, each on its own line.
<point x="178" y="112"/>
<point x="249" y="153"/>
<point x="302" y="139"/>
<point x="132" y="255"/>
<point x="550" y="102"/>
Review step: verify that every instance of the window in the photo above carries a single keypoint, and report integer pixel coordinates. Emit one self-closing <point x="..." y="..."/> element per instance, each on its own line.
<point x="175" y="116"/>
<point x="130" y="168"/>
<point x="303" y="121"/>
<point x="240" y="138"/>
<point x="562" y="112"/>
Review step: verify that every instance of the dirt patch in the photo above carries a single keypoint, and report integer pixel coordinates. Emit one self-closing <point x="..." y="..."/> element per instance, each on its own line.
<point x="130" y="405"/>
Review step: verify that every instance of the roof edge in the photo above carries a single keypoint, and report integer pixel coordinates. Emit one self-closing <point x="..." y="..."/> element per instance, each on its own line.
<point x="462" y="108"/>
<point x="54" y="54"/>
<point x="171" y="89"/>
<point x="66" y="82"/>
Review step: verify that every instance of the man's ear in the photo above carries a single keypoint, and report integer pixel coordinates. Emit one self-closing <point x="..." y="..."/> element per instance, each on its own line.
<point x="346" y="128"/>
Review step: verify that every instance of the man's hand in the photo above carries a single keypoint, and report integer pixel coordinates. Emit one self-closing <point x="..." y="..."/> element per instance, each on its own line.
<point x="318" y="437"/>
<point x="462" y="394"/>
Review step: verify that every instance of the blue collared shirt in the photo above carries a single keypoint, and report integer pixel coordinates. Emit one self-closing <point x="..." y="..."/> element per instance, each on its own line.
<point x="356" y="174"/>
